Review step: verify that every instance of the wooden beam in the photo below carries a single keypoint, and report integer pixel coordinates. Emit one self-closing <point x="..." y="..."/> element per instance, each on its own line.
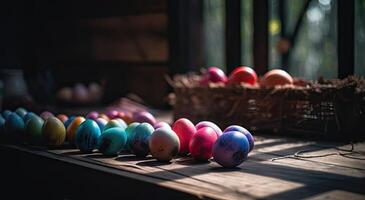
<point x="260" y="36"/>
<point x="345" y="39"/>
<point x="233" y="34"/>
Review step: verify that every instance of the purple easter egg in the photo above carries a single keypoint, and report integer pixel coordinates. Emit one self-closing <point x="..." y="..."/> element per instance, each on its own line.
<point x="92" y="115"/>
<point x="144" y="116"/>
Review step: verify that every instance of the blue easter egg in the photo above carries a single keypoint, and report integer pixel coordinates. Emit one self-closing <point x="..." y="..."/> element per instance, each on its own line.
<point x="112" y="141"/>
<point x="14" y="127"/>
<point x="2" y="123"/>
<point x="231" y="149"/>
<point x="240" y="129"/>
<point x="6" y="114"/>
<point x="21" y="112"/>
<point x="68" y="121"/>
<point x="129" y="131"/>
<point x="28" y="116"/>
<point x="87" y="136"/>
<point x="140" y="138"/>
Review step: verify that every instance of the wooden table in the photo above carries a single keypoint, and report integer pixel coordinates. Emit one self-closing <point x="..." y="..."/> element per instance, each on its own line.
<point x="68" y="174"/>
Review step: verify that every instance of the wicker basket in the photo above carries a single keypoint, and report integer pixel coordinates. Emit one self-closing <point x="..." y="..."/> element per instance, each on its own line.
<point x="323" y="109"/>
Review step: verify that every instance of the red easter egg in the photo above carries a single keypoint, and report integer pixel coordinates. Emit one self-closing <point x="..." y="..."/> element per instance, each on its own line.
<point x="62" y="117"/>
<point x="215" y="75"/>
<point x="185" y="130"/>
<point x="202" y="124"/>
<point x="201" y="144"/>
<point x="243" y="74"/>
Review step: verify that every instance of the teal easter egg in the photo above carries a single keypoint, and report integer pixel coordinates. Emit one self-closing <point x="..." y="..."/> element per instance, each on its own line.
<point x="122" y="123"/>
<point x="33" y="129"/>
<point x="21" y="112"/>
<point x="2" y="123"/>
<point x="112" y="141"/>
<point x="114" y="123"/>
<point x="14" y="127"/>
<point x="129" y="131"/>
<point x="28" y="116"/>
<point x="87" y="136"/>
<point x="6" y="114"/>
<point x="140" y="137"/>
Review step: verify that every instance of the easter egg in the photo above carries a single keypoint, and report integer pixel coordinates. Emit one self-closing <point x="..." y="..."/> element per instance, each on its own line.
<point x="65" y="94"/>
<point x="101" y="123"/>
<point x="115" y="123"/>
<point x="28" y="116"/>
<point x="127" y="117"/>
<point x="276" y="77"/>
<point x="209" y="124"/>
<point x="240" y="129"/>
<point x="14" y="127"/>
<point x="54" y="132"/>
<point x="112" y="141"/>
<point x="243" y="74"/>
<point x="6" y="114"/>
<point x="231" y="149"/>
<point x="33" y="129"/>
<point x="144" y="116"/>
<point x="129" y="130"/>
<point x="202" y="142"/>
<point x="112" y="114"/>
<point x="80" y="93"/>
<point x="92" y="115"/>
<point x="104" y="117"/>
<point x="87" y="136"/>
<point x="164" y="144"/>
<point x="21" y="112"/>
<point x="45" y="115"/>
<point x="215" y="75"/>
<point x="121" y="122"/>
<point x="185" y="130"/>
<point x="62" y="117"/>
<point x="72" y="128"/>
<point x="68" y="121"/>
<point x="139" y="139"/>
<point x="2" y="124"/>
<point x="95" y="91"/>
<point x="161" y="125"/>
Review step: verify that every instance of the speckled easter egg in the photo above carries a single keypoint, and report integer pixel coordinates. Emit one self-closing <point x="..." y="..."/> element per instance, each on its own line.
<point x="164" y="144"/>
<point x="115" y="123"/>
<point x="240" y="129"/>
<point x="202" y="142"/>
<point x="62" y="117"/>
<point x="28" y="116"/>
<point x="101" y="123"/>
<point x="14" y="128"/>
<point x="87" y="136"/>
<point x="185" y="130"/>
<point x="231" y="149"/>
<point x="46" y="114"/>
<point x="209" y="124"/>
<point x="72" y="129"/>
<point x="33" y="129"/>
<point x="54" y="132"/>
<point x="139" y="141"/>
<point x="144" y="116"/>
<point x="92" y="115"/>
<point x="21" y="112"/>
<point x="129" y="131"/>
<point x="112" y="141"/>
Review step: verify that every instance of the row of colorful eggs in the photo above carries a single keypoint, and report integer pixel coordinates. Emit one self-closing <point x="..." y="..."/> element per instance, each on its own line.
<point x="143" y="136"/>
<point x="243" y="74"/>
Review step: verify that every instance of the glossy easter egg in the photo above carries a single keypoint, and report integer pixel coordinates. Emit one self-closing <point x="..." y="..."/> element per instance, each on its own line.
<point x="112" y="114"/>
<point x="185" y="130"/>
<point x="33" y="129"/>
<point x="240" y="129"/>
<point x="62" y="117"/>
<point x="104" y="116"/>
<point x="276" y="77"/>
<point x="21" y="112"/>
<point x="209" y="124"/>
<point x="161" y="125"/>
<point x="14" y="128"/>
<point x="164" y="144"/>
<point x="68" y="121"/>
<point x="92" y="115"/>
<point x="112" y="141"/>
<point x="6" y="114"/>
<point x="45" y="115"/>
<point x="139" y="139"/>
<point x="101" y="123"/>
<point x="115" y="123"/>
<point x="127" y="117"/>
<point x="54" y="132"/>
<point x="202" y="142"/>
<point x="144" y="116"/>
<point x="72" y="129"/>
<point x="214" y="75"/>
<point x="121" y="122"/>
<point x="87" y="136"/>
<point x="231" y="149"/>
<point x="129" y="130"/>
<point x="28" y="116"/>
<point x="243" y="74"/>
